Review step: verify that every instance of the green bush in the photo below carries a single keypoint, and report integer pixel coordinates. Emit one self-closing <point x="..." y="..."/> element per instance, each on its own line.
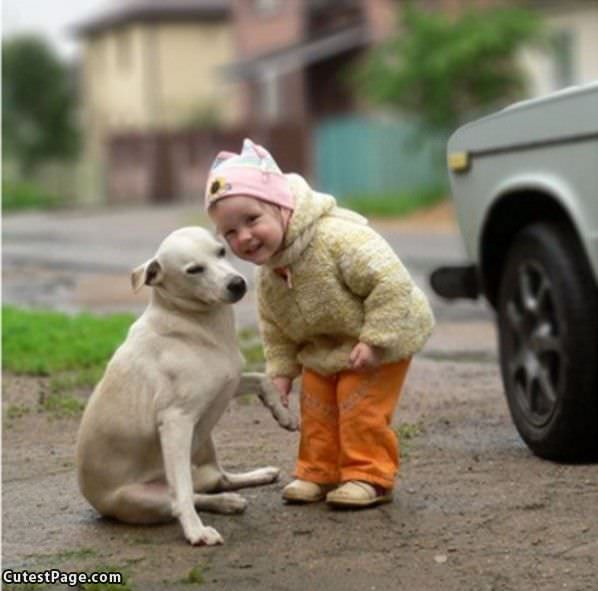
<point x="444" y="68"/>
<point x="18" y="195"/>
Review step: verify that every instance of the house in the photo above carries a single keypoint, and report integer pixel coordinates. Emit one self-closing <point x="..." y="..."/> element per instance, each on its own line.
<point x="294" y="53"/>
<point x="571" y="59"/>
<point x="266" y="67"/>
<point x="293" y="50"/>
<point x="151" y="65"/>
<point x="272" y="69"/>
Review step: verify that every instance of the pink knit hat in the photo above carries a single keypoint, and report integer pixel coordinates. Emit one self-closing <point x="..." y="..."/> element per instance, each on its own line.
<point x="253" y="172"/>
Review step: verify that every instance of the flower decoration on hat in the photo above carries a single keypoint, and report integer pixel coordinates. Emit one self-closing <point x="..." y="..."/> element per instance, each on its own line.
<point x="218" y="187"/>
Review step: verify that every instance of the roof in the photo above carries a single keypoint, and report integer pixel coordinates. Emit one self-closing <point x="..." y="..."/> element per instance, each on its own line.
<point x="154" y="10"/>
<point x="299" y="55"/>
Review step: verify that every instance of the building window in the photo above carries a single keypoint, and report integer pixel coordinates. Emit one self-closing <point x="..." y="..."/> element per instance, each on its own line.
<point x="99" y="56"/>
<point x="563" y="50"/>
<point x="123" y="50"/>
<point x="269" y="100"/>
<point x="266" y="7"/>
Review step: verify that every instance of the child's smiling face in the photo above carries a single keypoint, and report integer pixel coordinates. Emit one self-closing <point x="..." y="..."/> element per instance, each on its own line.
<point x="254" y="230"/>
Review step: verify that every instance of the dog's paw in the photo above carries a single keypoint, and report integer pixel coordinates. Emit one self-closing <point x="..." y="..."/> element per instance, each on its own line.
<point x="230" y="503"/>
<point x="287" y="420"/>
<point x="285" y="417"/>
<point x="205" y="536"/>
<point x="270" y="474"/>
<point x="271" y="399"/>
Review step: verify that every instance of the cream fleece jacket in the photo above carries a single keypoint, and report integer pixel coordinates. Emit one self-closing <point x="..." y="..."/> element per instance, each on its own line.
<point x="347" y="285"/>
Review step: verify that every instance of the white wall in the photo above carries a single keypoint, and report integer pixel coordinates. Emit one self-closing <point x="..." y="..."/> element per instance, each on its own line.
<point x="577" y="27"/>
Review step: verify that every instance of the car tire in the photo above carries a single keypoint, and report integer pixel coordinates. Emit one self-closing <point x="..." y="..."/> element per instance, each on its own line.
<point x="548" y="342"/>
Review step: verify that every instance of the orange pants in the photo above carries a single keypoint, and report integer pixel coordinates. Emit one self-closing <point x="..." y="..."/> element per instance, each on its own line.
<point x="345" y="425"/>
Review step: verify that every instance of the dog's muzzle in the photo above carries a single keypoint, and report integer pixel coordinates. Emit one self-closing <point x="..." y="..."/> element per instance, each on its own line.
<point x="236" y="287"/>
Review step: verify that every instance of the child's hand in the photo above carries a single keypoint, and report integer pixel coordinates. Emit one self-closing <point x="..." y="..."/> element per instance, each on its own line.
<point x="283" y="385"/>
<point x="365" y="356"/>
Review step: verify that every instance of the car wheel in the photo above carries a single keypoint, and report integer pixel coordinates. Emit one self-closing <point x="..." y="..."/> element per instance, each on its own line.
<point x="548" y="340"/>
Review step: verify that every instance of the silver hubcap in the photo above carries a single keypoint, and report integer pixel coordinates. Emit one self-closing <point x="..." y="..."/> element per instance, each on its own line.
<point x="536" y="362"/>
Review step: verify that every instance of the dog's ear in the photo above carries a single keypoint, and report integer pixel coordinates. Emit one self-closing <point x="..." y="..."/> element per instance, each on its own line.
<point x="150" y="273"/>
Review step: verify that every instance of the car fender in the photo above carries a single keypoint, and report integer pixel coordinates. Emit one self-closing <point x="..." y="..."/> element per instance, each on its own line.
<point x="554" y="188"/>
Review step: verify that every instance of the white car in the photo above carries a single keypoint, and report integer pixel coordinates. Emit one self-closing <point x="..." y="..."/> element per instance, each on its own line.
<point x="525" y="187"/>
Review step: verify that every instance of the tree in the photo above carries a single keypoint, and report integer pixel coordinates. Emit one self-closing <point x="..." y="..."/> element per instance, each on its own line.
<point x="38" y="104"/>
<point x="444" y="69"/>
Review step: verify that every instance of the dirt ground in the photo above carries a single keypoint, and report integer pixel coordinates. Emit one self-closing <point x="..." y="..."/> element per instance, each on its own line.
<point x="473" y="510"/>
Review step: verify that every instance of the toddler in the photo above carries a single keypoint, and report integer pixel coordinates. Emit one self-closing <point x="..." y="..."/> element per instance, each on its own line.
<point x="336" y="306"/>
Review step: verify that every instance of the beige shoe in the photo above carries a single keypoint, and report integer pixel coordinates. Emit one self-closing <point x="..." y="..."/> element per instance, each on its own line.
<point x="356" y="493"/>
<point x="303" y="491"/>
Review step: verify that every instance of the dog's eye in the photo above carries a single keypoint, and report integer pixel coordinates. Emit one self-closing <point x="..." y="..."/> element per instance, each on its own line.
<point x="196" y="269"/>
<point x="222" y="252"/>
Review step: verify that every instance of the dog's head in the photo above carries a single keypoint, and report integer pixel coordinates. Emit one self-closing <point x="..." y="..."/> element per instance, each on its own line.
<point x="190" y="269"/>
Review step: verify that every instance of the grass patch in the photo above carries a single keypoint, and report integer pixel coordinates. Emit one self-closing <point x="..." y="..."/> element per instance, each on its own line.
<point x="74" y="351"/>
<point x="196" y="576"/>
<point x="248" y="333"/>
<point x="43" y="343"/>
<point x="407" y="432"/>
<point x="137" y="540"/>
<point x="252" y="349"/>
<point x="78" y="554"/>
<point x="16" y="411"/>
<point x="254" y="357"/>
<point x="77" y="380"/>
<point x="394" y="204"/>
<point x="20" y="195"/>
<point x="63" y="402"/>
<point x="63" y="406"/>
<point x="245" y="400"/>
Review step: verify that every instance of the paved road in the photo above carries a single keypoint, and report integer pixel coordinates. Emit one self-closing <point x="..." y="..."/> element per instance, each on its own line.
<point x="80" y="260"/>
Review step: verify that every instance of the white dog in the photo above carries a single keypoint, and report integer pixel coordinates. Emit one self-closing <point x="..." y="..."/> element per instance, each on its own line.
<point x="145" y="453"/>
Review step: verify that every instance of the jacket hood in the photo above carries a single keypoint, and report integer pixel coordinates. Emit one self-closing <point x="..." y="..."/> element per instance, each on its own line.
<point x="310" y="207"/>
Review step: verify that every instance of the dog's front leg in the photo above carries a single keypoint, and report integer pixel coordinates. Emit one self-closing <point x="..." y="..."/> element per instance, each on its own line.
<point x="176" y="434"/>
<point x="260" y="384"/>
